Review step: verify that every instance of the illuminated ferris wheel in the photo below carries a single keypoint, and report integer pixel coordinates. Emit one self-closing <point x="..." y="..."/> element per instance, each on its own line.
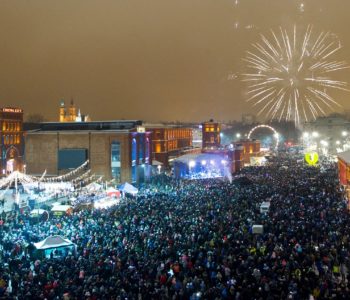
<point x="275" y="133"/>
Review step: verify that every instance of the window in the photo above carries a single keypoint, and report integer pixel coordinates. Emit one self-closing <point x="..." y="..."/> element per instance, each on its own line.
<point x="71" y="158"/>
<point x="147" y="151"/>
<point x="133" y="152"/>
<point x="141" y="147"/>
<point x="115" y="160"/>
<point x="133" y="160"/>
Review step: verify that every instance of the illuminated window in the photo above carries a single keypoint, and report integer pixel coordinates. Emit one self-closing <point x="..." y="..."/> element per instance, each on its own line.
<point x="133" y="159"/>
<point x="147" y="150"/>
<point x="4" y="126"/>
<point x="133" y="152"/>
<point x="141" y="147"/>
<point x="158" y="148"/>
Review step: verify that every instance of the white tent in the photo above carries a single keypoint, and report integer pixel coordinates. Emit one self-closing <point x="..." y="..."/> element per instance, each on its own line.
<point x="54" y="241"/>
<point x="156" y="163"/>
<point x="111" y="190"/>
<point x="37" y="211"/>
<point x="128" y="188"/>
<point x="345" y="156"/>
<point x="93" y="186"/>
<point x="61" y="208"/>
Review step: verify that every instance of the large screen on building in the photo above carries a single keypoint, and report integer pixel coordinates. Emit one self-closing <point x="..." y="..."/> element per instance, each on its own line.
<point x="71" y="158"/>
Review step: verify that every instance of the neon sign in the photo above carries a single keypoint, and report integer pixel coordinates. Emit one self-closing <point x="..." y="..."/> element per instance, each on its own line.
<point x="12" y="110"/>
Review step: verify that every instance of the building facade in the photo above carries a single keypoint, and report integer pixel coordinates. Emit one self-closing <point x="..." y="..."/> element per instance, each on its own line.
<point x="331" y="132"/>
<point x="249" y="148"/>
<point x="211" y="135"/>
<point x="115" y="149"/>
<point x="169" y="142"/>
<point x="12" y="146"/>
<point x="237" y="158"/>
<point x="344" y="173"/>
<point x="71" y="114"/>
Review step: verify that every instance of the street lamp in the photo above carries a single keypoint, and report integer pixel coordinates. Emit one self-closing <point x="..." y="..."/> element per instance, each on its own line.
<point x="344" y="133"/>
<point x="238" y="135"/>
<point x="315" y="134"/>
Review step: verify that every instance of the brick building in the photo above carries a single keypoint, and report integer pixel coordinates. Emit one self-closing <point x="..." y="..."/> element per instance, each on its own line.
<point x="71" y="113"/>
<point x="249" y="147"/>
<point x="169" y="142"/>
<point x="115" y="149"/>
<point x="11" y="133"/>
<point x="211" y="135"/>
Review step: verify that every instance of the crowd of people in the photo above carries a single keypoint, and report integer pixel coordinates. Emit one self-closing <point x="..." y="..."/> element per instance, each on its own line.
<point x="194" y="240"/>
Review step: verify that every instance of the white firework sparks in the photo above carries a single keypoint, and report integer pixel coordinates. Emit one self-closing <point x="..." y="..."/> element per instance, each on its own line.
<point x="290" y="75"/>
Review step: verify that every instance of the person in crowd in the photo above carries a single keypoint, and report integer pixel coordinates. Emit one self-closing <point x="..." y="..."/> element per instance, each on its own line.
<point x="193" y="239"/>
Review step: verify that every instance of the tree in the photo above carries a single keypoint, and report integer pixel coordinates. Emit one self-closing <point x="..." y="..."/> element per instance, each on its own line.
<point x="35" y="118"/>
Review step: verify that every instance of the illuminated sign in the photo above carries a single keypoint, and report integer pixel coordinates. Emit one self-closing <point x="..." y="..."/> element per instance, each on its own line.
<point x="12" y="110"/>
<point x="311" y="158"/>
<point x="140" y="129"/>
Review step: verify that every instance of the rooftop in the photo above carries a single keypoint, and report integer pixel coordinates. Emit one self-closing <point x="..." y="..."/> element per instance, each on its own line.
<point x="96" y="125"/>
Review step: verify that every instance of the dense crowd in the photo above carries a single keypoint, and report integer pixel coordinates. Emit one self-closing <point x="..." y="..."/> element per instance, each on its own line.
<point x="194" y="240"/>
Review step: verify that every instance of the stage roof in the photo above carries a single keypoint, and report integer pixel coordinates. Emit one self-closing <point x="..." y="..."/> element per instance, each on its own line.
<point x="345" y="156"/>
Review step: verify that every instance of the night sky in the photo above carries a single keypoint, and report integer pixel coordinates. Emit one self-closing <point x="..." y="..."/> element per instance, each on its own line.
<point x="155" y="60"/>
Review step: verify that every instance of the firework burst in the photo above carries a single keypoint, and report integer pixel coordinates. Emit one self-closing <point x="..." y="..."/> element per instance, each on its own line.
<point x="290" y="74"/>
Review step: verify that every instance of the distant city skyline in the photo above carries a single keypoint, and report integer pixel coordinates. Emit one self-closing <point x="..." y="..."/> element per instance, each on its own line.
<point x="166" y="60"/>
